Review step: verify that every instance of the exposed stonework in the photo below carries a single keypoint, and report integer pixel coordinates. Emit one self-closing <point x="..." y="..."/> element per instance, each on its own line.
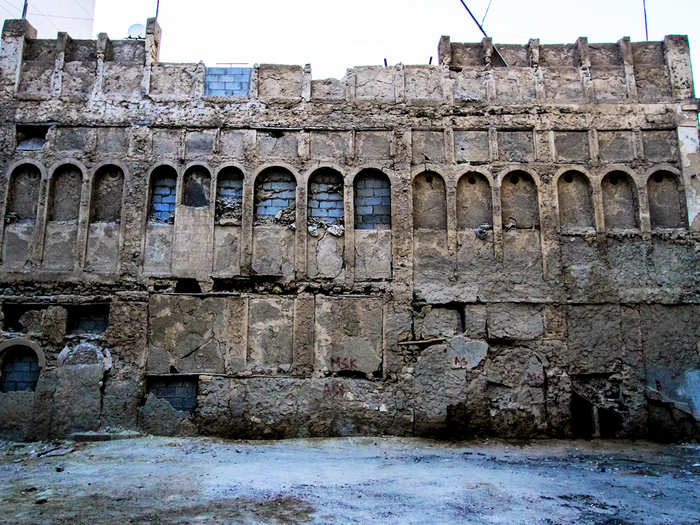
<point x="449" y="250"/>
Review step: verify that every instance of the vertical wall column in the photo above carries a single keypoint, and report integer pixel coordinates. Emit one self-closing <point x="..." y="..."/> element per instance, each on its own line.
<point x="153" y="34"/>
<point x="585" y="65"/>
<point x="62" y="41"/>
<point x="689" y="145"/>
<point x="628" y="60"/>
<point x="14" y="35"/>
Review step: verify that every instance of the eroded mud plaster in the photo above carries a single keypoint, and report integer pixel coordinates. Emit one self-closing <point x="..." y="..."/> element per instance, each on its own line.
<point x="454" y="249"/>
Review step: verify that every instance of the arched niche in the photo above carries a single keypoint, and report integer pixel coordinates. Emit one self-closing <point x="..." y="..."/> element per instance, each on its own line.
<point x="20" y="367"/>
<point x="325" y="198"/>
<point x="194" y="226"/>
<point x="667" y="207"/>
<point x="162" y="195"/>
<point x="20" y="216"/>
<point x="196" y="187"/>
<point x="372" y="200"/>
<point x="64" y="194"/>
<point x="326" y="216"/>
<point x="575" y="201"/>
<point x="519" y="207"/>
<point x="372" y="219"/>
<point x="162" y="199"/>
<point x="104" y="230"/>
<point x="106" y="201"/>
<point x="275" y="197"/>
<point x="274" y="222"/>
<point x="62" y="214"/>
<point x="620" y="203"/>
<point x="228" y="217"/>
<point x="429" y="202"/>
<point x="23" y="194"/>
<point x="229" y="196"/>
<point x="474" y="202"/>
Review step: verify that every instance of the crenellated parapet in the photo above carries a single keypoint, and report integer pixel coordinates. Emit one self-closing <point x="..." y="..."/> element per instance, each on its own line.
<point x="579" y="73"/>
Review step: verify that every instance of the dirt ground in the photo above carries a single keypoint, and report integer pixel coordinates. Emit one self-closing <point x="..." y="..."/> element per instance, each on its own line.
<point x="158" y="480"/>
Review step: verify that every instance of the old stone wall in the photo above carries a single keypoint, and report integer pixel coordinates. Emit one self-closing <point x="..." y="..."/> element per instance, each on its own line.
<point x="470" y="248"/>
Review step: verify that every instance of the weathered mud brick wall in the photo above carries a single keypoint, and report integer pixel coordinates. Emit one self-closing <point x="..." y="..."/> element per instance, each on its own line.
<point x="484" y="246"/>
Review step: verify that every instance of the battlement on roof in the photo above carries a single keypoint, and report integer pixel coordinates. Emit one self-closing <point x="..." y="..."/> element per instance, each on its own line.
<point x="468" y="73"/>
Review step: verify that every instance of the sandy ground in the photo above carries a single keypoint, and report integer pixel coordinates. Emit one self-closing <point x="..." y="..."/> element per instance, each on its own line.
<point x="349" y="480"/>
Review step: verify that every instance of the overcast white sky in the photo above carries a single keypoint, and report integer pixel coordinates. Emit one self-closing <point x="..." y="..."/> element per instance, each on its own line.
<point x="333" y="35"/>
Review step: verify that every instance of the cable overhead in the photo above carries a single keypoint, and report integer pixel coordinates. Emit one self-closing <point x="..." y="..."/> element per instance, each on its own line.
<point x="486" y="12"/>
<point x="498" y="54"/>
<point x="646" y="26"/>
<point x="61" y="16"/>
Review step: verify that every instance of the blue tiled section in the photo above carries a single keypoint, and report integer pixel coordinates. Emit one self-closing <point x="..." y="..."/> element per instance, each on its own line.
<point x="227" y="81"/>
<point x="163" y="200"/>
<point x="274" y="192"/>
<point x="326" y="198"/>
<point x="230" y="189"/>
<point x="372" y="202"/>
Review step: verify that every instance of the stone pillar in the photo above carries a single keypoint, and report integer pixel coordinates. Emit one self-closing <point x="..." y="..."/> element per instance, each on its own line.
<point x="14" y="35"/>
<point x="153" y="34"/>
<point x="689" y="146"/>
<point x="628" y="59"/>
<point x="677" y="55"/>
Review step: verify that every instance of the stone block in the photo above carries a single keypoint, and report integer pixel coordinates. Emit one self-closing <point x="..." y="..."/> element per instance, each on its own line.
<point x="373" y="256"/>
<point x="348" y="334"/>
<point x="423" y="84"/>
<point x="516" y="146"/>
<point x="112" y="140"/>
<point x="270" y="332"/>
<point x="439" y="389"/>
<point x="515" y="321"/>
<point x="78" y="397"/>
<point x="166" y="142"/>
<point x="466" y="353"/>
<point x="471" y="146"/>
<point x="660" y="146"/>
<point x="594" y="338"/>
<point x="72" y="139"/>
<point x="571" y="146"/>
<point x="157" y="416"/>
<point x="374" y="83"/>
<point x="199" y="143"/>
<point x="434" y="322"/>
<point x="54" y="325"/>
<point x="328" y="89"/>
<point x="278" y="145"/>
<point x="428" y="146"/>
<point x="276" y="82"/>
<point x="273" y="250"/>
<point x="330" y="145"/>
<point x="192" y="334"/>
<point x="373" y="144"/>
<point x="475" y="320"/>
<point x="615" y="146"/>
